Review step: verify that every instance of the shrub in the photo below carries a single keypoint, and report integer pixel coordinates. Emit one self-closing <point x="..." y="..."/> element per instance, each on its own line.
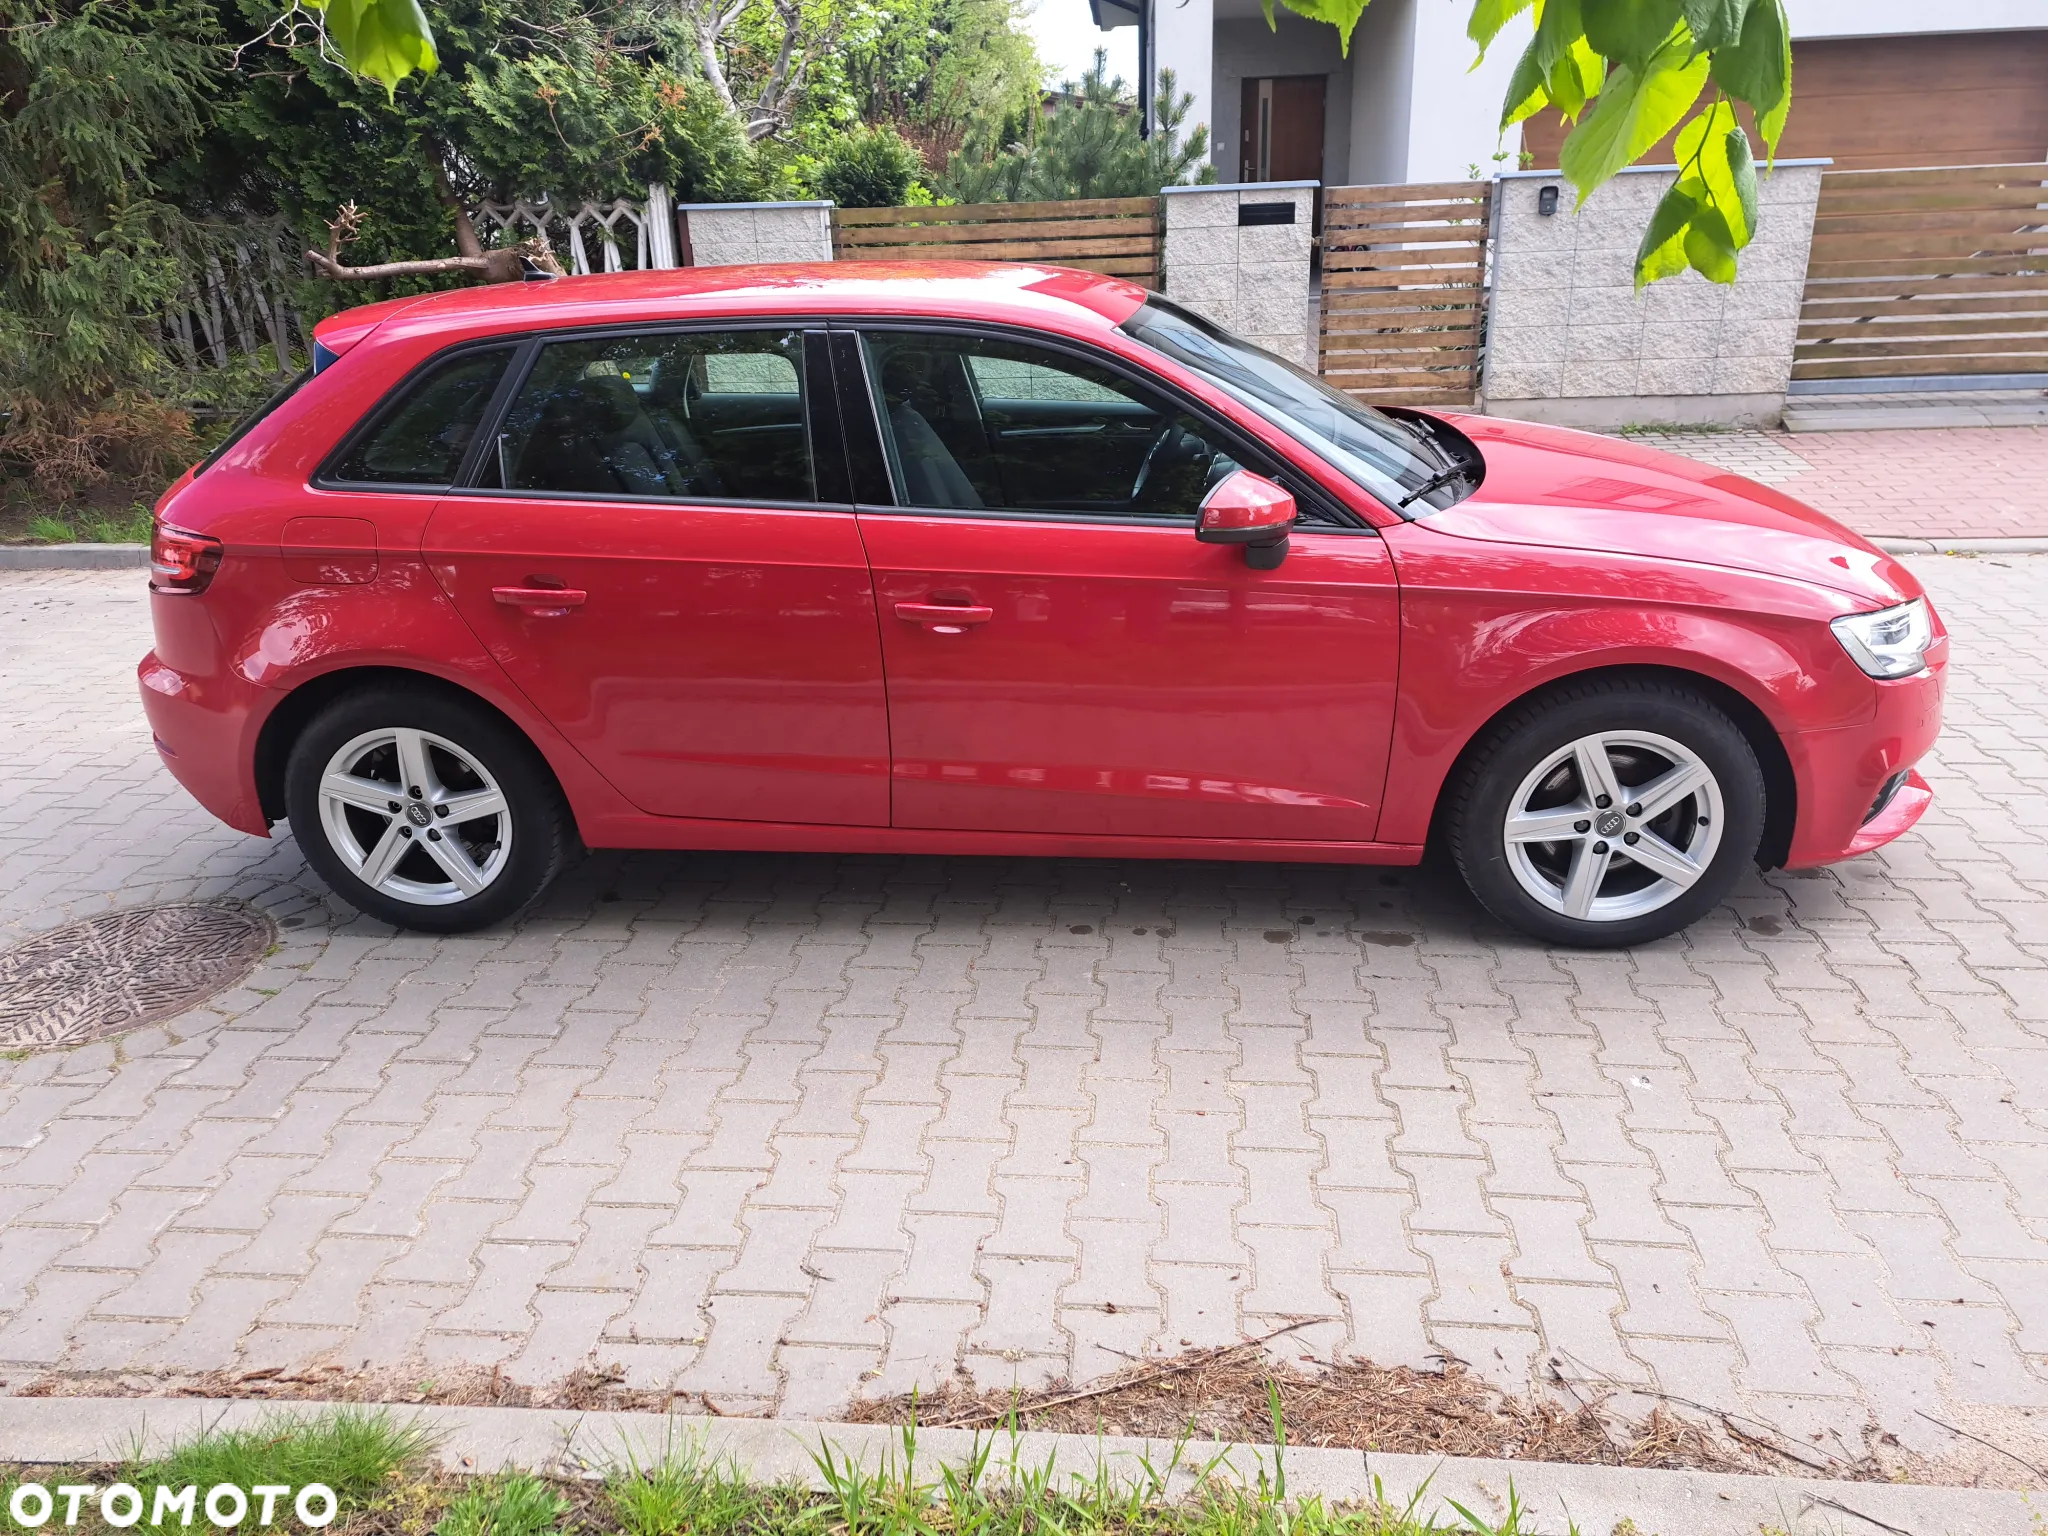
<point x="870" y="168"/>
<point x="1089" y="147"/>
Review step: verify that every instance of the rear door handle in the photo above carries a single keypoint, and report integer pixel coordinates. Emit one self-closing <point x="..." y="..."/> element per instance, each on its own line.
<point x="541" y="602"/>
<point x="944" y="618"/>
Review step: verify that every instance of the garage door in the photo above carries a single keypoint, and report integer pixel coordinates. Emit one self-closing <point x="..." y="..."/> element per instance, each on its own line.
<point x="1872" y="102"/>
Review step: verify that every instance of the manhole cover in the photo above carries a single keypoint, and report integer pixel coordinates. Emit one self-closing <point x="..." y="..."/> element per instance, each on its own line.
<point x="124" y="970"/>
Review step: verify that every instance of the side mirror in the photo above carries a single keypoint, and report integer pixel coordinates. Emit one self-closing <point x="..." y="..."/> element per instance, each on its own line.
<point x="1250" y="510"/>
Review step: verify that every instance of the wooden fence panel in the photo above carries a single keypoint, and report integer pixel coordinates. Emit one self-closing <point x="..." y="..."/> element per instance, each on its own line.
<point x="1119" y="236"/>
<point x="1918" y="273"/>
<point x="1404" y="291"/>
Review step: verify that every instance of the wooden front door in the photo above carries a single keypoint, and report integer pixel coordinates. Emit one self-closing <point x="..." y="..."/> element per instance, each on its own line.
<point x="1281" y="132"/>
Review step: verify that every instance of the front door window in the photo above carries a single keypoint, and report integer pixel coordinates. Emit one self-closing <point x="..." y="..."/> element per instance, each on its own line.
<point x="989" y="424"/>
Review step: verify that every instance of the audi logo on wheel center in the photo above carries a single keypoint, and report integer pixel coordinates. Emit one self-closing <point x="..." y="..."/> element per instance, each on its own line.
<point x="122" y="1505"/>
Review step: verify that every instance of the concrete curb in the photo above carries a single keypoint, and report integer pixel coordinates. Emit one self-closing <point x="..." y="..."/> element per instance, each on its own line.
<point x="73" y="557"/>
<point x="1596" y="1499"/>
<point x="1963" y="546"/>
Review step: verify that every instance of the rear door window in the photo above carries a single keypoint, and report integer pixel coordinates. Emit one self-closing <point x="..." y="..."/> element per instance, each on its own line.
<point x="424" y="436"/>
<point x="708" y="415"/>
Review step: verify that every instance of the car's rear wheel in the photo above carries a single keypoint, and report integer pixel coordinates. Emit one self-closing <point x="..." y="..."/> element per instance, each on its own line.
<point x="424" y="809"/>
<point x="1607" y="813"/>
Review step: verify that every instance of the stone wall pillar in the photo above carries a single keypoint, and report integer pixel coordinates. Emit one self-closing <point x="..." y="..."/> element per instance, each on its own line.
<point x="733" y="234"/>
<point x="1570" y="341"/>
<point x="1239" y="255"/>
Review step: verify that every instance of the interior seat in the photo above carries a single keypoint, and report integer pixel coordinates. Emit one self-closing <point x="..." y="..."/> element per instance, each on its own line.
<point x="603" y="443"/>
<point x="932" y="477"/>
<point x="668" y="407"/>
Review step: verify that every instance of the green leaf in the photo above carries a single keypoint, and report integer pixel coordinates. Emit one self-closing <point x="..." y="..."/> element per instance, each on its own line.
<point x="1526" y="92"/>
<point x="1341" y="14"/>
<point x="1714" y="148"/>
<point x="1488" y="17"/>
<point x="1742" y="172"/>
<point x="1577" y="77"/>
<point x="1662" y="253"/>
<point x="1709" y="248"/>
<point x="1628" y="31"/>
<point x="1714" y="23"/>
<point x="1557" y="27"/>
<point x="1571" y="70"/>
<point x="383" y="40"/>
<point x="1758" y="68"/>
<point x="1635" y="111"/>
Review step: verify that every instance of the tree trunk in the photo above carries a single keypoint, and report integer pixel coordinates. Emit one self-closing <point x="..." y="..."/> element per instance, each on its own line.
<point x="466" y="241"/>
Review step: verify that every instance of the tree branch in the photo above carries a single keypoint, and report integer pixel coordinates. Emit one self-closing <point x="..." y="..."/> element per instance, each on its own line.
<point x="778" y="90"/>
<point x="506" y="264"/>
<point x="708" y="26"/>
<point x="436" y="265"/>
<point x="466" y="240"/>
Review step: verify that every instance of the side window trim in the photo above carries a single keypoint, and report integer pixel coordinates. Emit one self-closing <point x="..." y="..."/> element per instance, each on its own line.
<point x="860" y="421"/>
<point x="851" y="369"/>
<point x="374" y="419"/>
<point x="829" y="473"/>
<point x="489" y="431"/>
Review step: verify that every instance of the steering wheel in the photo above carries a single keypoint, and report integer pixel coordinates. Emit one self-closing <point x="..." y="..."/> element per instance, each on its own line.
<point x="1157" y="459"/>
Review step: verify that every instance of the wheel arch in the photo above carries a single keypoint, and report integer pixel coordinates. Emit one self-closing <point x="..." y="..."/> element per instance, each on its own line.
<point x="1781" y="788"/>
<point x="284" y="724"/>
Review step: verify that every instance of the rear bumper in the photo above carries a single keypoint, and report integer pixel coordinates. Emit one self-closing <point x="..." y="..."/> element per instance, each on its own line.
<point x="1842" y="774"/>
<point x="205" y="731"/>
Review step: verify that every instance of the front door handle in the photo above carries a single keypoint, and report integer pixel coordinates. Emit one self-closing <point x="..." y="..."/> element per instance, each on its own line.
<point x="944" y="618"/>
<point x="541" y="602"/>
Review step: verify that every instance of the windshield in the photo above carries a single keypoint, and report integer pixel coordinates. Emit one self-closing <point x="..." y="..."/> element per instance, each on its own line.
<point x="1384" y="455"/>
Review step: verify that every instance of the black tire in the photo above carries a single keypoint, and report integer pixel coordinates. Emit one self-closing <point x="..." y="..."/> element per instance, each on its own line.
<point x="540" y="829"/>
<point x="1521" y="742"/>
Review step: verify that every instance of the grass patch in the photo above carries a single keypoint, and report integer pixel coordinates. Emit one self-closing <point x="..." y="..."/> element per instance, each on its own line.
<point x="131" y="525"/>
<point x="370" y="1460"/>
<point x="358" y="1452"/>
<point x="514" y="1504"/>
<point x="386" y="1484"/>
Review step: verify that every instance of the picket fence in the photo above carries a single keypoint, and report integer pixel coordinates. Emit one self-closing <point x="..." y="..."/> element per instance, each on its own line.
<point x="246" y="299"/>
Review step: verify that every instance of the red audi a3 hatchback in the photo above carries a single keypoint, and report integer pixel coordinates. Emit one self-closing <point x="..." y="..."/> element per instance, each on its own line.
<point x="984" y="559"/>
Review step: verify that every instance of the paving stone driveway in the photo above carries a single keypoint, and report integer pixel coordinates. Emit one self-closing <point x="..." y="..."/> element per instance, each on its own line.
<point x="782" y="1129"/>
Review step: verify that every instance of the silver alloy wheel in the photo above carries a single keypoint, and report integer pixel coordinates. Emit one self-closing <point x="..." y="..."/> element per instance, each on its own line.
<point x="1614" y="825"/>
<point x="415" y="817"/>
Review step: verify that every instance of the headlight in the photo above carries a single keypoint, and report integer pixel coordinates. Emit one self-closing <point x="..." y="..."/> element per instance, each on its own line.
<point x="1889" y="642"/>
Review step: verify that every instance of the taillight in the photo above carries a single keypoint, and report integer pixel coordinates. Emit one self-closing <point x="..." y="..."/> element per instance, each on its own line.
<point x="181" y="562"/>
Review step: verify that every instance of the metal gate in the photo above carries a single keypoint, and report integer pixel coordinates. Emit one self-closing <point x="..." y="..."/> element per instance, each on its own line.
<point x="1404" y="291"/>
<point x="1919" y="273"/>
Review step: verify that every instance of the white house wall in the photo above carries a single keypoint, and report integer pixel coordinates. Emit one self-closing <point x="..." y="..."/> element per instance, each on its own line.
<point x="1408" y="106"/>
<point x="1886" y="18"/>
<point x="1186" y="45"/>
<point x="1382" y="88"/>
<point x="1246" y="48"/>
<point x="1454" y="109"/>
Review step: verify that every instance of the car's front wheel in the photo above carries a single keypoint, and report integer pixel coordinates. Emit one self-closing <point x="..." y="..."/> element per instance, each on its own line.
<point x="1607" y="813"/>
<point x="424" y="809"/>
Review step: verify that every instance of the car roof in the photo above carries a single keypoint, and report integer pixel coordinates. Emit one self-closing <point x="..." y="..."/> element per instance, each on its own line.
<point x="1061" y="298"/>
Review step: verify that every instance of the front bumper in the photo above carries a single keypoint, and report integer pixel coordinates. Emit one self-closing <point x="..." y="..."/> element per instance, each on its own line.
<point x="205" y="730"/>
<point x="1842" y="773"/>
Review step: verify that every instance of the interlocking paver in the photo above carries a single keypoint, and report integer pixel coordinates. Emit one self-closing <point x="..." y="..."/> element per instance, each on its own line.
<point x="1877" y="482"/>
<point x="783" y="1129"/>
